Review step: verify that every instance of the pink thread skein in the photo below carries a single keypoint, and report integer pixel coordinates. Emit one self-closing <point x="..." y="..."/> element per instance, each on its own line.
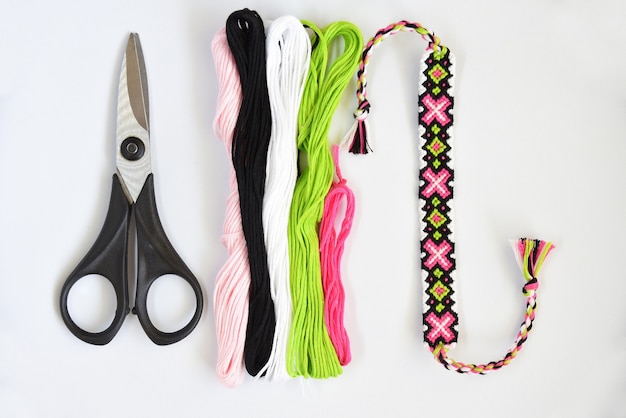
<point x="230" y="300"/>
<point x="331" y="252"/>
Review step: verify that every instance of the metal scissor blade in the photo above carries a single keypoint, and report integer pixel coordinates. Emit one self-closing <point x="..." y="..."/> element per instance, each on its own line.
<point x="133" y="121"/>
<point x="137" y="81"/>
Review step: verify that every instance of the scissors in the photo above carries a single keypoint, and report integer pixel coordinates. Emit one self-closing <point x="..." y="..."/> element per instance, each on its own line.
<point x="132" y="192"/>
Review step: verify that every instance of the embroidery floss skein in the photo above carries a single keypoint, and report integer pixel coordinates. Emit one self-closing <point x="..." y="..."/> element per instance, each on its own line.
<point x="288" y="56"/>
<point x="331" y="251"/>
<point x="230" y="300"/>
<point x="310" y="351"/>
<point x="246" y="37"/>
<point x="436" y="177"/>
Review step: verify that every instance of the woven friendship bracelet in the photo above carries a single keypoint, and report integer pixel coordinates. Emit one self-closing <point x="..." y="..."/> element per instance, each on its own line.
<point x="436" y="178"/>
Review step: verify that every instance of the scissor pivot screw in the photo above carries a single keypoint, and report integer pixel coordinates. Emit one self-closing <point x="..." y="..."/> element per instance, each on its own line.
<point x="132" y="148"/>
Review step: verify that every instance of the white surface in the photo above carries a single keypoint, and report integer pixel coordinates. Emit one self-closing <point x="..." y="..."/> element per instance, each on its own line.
<point x="540" y="142"/>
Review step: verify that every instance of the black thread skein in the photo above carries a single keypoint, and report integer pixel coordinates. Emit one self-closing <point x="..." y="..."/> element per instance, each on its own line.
<point x="245" y="33"/>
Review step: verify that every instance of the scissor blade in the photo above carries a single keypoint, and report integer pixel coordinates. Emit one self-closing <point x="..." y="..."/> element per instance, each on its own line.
<point x="137" y="81"/>
<point x="133" y="121"/>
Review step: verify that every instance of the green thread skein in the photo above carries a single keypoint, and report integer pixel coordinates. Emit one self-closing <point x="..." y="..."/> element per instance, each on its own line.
<point x="310" y="352"/>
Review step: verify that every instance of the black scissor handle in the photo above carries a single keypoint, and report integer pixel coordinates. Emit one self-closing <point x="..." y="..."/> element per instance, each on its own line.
<point x="156" y="257"/>
<point x="107" y="257"/>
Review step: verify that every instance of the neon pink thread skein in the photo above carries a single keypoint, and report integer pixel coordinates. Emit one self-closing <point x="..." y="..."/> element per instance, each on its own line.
<point x="230" y="299"/>
<point x="331" y="252"/>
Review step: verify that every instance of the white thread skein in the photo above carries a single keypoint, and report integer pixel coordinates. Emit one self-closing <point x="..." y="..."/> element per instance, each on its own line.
<point x="288" y="49"/>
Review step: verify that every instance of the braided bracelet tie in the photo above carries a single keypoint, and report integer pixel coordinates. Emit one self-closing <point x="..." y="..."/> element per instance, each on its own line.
<point x="436" y="179"/>
<point x="359" y="131"/>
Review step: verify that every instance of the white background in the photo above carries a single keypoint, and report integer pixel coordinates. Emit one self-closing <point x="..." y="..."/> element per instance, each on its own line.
<point x="540" y="142"/>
